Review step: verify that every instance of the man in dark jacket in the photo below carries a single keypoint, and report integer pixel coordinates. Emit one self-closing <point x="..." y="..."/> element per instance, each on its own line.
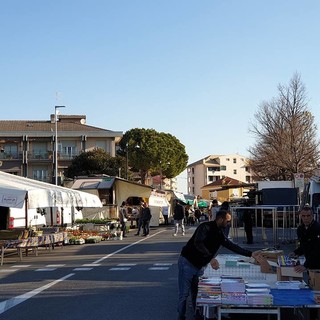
<point x="145" y="217"/>
<point x="201" y="250"/>
<point x="178" y="216"/>
<point x="309" y="241"/>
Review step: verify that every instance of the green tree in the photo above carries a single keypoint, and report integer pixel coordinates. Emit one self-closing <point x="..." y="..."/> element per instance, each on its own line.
<point x="96" y="161"/>
<point x="285" y="134"/>
<point x="153" y="153"/>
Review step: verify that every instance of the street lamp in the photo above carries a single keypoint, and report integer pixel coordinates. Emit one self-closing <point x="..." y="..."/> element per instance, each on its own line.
<point x="127" y="160"/>
<point x="56" y="143"/>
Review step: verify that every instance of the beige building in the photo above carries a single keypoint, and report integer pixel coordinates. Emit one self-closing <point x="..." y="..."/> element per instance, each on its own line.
<point x="216" y="167"/>
<point x="225" y="189"/>
<point x="27" y="147"/>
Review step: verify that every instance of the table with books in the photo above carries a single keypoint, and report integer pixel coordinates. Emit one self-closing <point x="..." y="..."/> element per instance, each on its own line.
<point x="239" y="287"/>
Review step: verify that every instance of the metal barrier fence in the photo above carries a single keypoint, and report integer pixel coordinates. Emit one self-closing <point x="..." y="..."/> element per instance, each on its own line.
<point x="272" y="225"/>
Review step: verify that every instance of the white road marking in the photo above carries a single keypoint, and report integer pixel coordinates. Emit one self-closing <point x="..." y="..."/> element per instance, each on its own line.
<point x="10" y="303"/>
<point x="91" y="265"/>
<point x="82" y="269"/>
<point x="126" y="264"/>
<point x="45" y="269"/>
<point x="54" y="265"/>
<point x="162" y="264"/>
<point x="126" y="247"/>
<point x="7" y="270"/>
<point x="158" y="268"/>
<point x="7" y="304"/>
<point x="21" y="266"/>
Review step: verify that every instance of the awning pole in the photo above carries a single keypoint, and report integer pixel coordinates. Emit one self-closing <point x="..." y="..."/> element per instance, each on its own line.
<point x="26" y="210"/>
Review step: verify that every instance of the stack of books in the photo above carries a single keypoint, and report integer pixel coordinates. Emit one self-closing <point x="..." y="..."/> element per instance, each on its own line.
<point x="289" y="284"/>
<point x="209" y="291"/>
<point x="259" y="294"/>
<point x="233" y="290"/>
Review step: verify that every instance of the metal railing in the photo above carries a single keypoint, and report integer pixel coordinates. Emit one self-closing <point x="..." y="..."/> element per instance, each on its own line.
<point x="272" y="225"/>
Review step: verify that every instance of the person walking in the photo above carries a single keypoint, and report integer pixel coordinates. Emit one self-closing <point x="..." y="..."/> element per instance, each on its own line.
<point x="138" y="217"/>
<point x="165" y="213"/>
<point x="123" y="218"/>
<point x="146" y="217"/>
<point x="214" y="208"/>
<point x="201" y="250"/>
<point x="178" y="216"/>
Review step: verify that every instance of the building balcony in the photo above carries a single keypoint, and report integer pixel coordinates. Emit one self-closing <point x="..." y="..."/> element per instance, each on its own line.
<point x="10" y="156"/>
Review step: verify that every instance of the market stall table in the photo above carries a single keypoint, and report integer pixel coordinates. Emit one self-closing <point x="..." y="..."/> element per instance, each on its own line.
<point x="298" y="299"/>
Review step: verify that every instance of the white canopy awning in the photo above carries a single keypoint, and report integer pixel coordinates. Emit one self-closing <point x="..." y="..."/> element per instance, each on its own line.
<point x="15" y="189"/>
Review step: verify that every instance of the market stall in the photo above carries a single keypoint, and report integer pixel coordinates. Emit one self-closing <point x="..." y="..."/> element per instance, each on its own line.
<point x="239" y="286"/>
<point x="25" y="194"/>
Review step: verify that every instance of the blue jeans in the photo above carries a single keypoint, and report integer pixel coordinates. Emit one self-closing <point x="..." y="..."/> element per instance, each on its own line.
<point x="188" y="279"/>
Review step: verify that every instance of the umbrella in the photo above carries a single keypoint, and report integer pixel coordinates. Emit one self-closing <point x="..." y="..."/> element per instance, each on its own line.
<point x="202" y="204"/>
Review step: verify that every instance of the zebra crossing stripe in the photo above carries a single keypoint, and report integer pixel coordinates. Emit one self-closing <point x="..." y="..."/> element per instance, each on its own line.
<point x="8" y="304"/>
<point x="158" y="268"/>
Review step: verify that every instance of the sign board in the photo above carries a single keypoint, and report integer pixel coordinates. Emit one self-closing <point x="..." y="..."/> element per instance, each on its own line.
<point x="299" y="180"/>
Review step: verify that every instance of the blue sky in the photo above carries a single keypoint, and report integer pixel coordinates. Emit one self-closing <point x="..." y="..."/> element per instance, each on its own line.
<point x="196" y="69"/>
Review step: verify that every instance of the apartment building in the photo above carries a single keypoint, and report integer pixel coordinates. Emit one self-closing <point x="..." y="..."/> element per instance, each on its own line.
<point x="27" y="147"/>
<point x="215" y="167"/>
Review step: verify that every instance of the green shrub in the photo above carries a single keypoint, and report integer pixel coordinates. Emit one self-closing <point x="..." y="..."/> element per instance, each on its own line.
<point x="95" y="221"/>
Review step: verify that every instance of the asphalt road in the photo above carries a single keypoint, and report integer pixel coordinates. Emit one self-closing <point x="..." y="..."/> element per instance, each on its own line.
<point x="136" y="278"/>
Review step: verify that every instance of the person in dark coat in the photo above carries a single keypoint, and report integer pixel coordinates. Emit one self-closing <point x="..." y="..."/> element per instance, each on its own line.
<point x="145" y="217"/>
<point x="178" y="216"/>
<point x="248" y="223"/>
<point x="309" y="241"/>
<point x="201" y="250"/>
<point x="225" y="206"/>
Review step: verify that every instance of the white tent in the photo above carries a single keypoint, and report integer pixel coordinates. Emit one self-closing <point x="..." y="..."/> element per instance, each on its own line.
<point x="15" y="191"/>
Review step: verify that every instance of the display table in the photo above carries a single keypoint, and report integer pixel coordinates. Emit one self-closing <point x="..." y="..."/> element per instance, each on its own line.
<point x="32" y="243"/>
<point x="6" y="245"/>
<point x="300" y="300"/>
<point x="249" y="310"/>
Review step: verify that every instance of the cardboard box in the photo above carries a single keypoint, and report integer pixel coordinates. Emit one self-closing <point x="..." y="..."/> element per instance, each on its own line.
<point x="272" y="254"/>
<point x="266" y="267"/>
<point x="314" y="279"/>
<point x="287" y="274"/>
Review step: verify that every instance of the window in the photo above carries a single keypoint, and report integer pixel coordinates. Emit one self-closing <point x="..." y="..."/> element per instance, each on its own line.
<point x="67" y="149"/>
<point x="11" y="150"/>
<point x="247" y="169"/>
<point x="227" y="159"/>
<point x="40" y="175"/>
<point x="192" y="170"/>
<point x="223" y="168"/>
<point x="39" y="150"/>
<point x="234" y="171"/>
<point x="210" y="178"/>
<point x="234" y="160"/>
<point x="248" y="179"/>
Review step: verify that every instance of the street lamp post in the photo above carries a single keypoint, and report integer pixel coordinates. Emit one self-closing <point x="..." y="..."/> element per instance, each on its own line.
<point x="127" y="160"/>
<point x="56" y="143"/>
